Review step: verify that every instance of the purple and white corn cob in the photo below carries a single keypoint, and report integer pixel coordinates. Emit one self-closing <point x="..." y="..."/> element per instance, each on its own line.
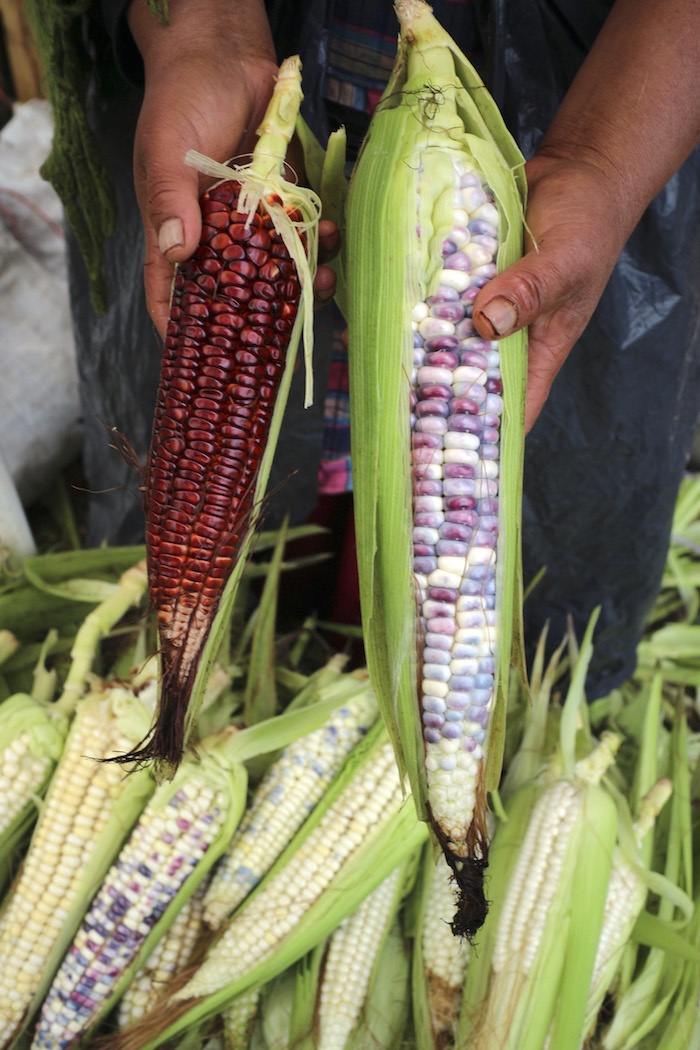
<point x="455" y="420"/>
<point x="163" y="851"/>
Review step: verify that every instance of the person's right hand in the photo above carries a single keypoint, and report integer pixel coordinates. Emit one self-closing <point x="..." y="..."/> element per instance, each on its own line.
<point x="209" y="76"/>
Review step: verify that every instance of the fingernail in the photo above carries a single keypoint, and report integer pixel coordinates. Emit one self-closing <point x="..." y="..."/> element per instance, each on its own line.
<point x="171" y="235"/>
<point x="501" y="315"/>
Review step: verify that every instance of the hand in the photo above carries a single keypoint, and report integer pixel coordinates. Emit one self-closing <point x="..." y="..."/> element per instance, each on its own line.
<point x="209" y="76"/>
<point x="578" y="233"/>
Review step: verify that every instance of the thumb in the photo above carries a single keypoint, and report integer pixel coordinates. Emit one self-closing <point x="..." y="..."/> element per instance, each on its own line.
<point x="516" y="298"/>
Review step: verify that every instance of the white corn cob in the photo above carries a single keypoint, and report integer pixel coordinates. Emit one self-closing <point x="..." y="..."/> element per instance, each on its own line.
<point x="83" y="801"/>
<point x="283" y="800"/>
<point x="24" y="767"/>
<point x="445" y="957"/>
<point x="169" y="957"/>
<point x="239" y="1019"/>
<point x="545" y="935"/>
<point x="349" y="965"/>
<point x="627" y="892"/>
<point x="270" y="916"/>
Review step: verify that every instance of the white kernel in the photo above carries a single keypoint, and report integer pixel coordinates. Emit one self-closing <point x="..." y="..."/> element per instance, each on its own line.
<point x="420" y="312"/>
<point x="452" y="564"/>
<point x="455" y="440"/>
<point x="456" y="279"/>
<point x="462" y="455"/>
<point x="442" y="578"/>
<point x="432" y="688"/>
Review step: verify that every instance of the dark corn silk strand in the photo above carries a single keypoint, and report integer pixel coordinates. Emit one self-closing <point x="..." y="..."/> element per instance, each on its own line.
<point x="233" y="310"/>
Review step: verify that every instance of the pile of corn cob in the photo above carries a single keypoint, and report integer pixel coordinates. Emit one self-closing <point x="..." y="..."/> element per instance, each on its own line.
<point x="314" y="913"/>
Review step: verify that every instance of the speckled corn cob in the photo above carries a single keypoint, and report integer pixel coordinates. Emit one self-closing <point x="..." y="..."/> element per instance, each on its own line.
<point x="176" y="834"/>
<point x="285" y="797"/>
<point x="437" y="432"/>
<point x="349" y="965"/>
<point x="455" y="452"/>
<point x="87" y="800"/>
<point x="170" y="956"/>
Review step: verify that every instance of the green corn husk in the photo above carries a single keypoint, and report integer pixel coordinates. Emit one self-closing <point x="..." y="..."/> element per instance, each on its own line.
<point x="395" y="836"/>
<point x="434" y="109"/>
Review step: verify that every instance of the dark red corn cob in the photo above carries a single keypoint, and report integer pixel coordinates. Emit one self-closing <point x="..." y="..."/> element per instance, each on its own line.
<point x="233" y="310"/>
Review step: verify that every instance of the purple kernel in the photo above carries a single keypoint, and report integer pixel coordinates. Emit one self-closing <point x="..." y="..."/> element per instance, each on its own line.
<point x="432" y="520"/>
<point x="421" y="439"/>
<point x="431" y="736"/>
<point x="487" y="271"/>
<point x="475" y="345"/>
<point x="468" y="295"/>
<point x="481" y="226"/>
<point x="429" y="391"/>
<point x="483" y="681"/>
<point x="487" y="506"/>
<point x="443" y="594"/>
<point x="456" y="531"/>
<point x="428" y="487"/>
<point x="484" y="539"/>
<point x="443" y="294"/>
<point x="457" y="701"/>
<point x="424" y="564"/>
<point x="432" y="407"/>
<point x="452" y="730"/>
<point x="489" y="451"/>
<point x="453" y="715"/>
<point x="466" y="424"/>
<point x="433" y="703"/>
<point x="448" y="248"/>
<point x="452" y="548"/>
<point x="491" y="421"/>
<point x="442" y="359"/>
<point x="469" y="743"/>
<point x="479" y="280"/>
<point x="458" y="261"/>
<point x="435" y="721"/>
<point x="479" y="715"/>
<point x="460" y="405"/>
<point x="489" y="523"/>
<point x="442" y="625"/>
<point x="481" y="697"/>
<point x="453" y="311"/>
<point x="458" y="470"/>
<point x="461" y="503"/>
<point x="487" y="665"/>
<point x="461" y="683"/>
<point x="494" y="386"/>
<point x="425" y="455"/>
<point x="475" y="358"/>
<point x="465" y="327"/>
<point x="441" y="342"/>
<point x="423" y="550"/>
<point x="417" y="340"/>
<point x="477" y="572"/>
<point x="461" y="517"/>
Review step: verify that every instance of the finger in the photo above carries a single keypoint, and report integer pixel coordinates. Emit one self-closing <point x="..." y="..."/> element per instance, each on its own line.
<point x="324" y="286"/>
<point x="328" y="240"/>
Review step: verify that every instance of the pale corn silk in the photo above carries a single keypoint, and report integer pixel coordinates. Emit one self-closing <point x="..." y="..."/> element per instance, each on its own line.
<point x="604" y="461"/>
